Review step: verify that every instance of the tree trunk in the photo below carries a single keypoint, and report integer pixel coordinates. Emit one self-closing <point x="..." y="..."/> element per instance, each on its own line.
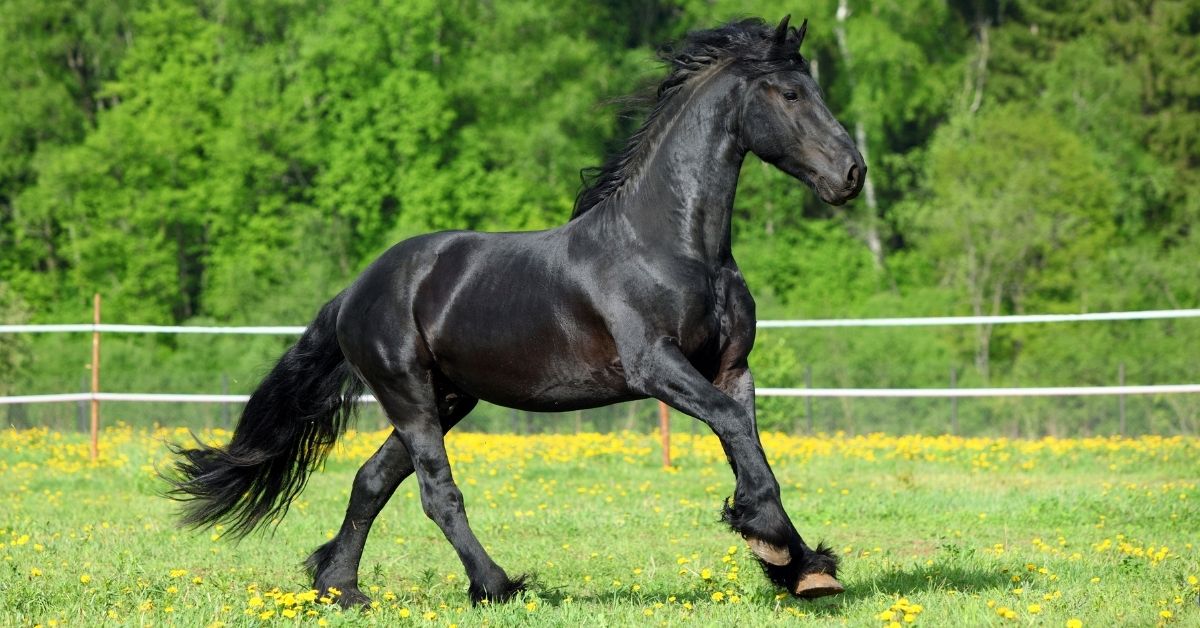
<point x="868" y="221"/>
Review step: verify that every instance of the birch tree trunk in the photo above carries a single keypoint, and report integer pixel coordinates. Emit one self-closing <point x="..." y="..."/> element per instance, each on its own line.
<point x="868" y="226"/>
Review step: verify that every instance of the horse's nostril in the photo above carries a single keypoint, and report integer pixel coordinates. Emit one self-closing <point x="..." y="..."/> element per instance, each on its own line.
<point x="852" y="177"/>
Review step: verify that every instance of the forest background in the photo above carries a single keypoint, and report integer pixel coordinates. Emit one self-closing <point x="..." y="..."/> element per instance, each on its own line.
<point x="212" y="162"/>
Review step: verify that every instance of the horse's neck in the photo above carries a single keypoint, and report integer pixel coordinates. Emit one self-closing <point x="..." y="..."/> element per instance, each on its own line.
<point x="681" y="197"/>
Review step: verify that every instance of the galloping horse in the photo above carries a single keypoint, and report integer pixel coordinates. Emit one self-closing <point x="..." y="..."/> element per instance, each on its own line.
<point x="637" y="296"/>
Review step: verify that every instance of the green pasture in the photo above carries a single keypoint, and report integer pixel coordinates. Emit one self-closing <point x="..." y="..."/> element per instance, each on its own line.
<point x="935" y="531"/>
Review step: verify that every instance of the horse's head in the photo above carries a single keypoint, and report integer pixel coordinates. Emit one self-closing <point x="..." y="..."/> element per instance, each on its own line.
<point x="785" y="122"/>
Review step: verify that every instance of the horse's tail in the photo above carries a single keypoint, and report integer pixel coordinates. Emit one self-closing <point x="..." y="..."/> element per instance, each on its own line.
<point x="286" y="429"/>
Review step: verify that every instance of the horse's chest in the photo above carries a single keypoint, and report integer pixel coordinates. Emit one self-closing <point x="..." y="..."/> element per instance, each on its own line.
<point x="692" y="312"/>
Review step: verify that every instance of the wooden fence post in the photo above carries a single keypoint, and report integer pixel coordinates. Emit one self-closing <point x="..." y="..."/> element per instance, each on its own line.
<point x="95" y="376"/>
<point x="664" y="428"/>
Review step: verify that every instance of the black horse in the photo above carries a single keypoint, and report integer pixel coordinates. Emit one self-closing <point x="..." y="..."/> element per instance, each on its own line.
<point x="637" y="296"/>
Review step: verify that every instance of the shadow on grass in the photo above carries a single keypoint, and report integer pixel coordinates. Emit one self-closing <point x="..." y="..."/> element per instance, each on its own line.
<point x="908" y="581"/>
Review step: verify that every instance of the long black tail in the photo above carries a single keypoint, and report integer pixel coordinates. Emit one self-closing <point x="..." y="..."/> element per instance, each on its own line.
<point x="286" y="430"/>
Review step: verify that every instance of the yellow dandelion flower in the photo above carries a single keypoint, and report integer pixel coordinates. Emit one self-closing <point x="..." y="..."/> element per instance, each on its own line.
<point x="84" y="579"/>
<point x="288" y="612"/>
<point x="35" y="572"/>
<point x="255" y="602"/>
<point x="1034" y="608"/>
<point x="178" y="573"/>
<point x="531" y="606"/>
<point x="266" y="614"/>
<point x="706" y="574"/>
<point x="717" y="596"/>
<point x="404" y="612"/>
<point x="430" y="615"/>
<point x="1165" y="614"/>
<point x="1074" y="623"/>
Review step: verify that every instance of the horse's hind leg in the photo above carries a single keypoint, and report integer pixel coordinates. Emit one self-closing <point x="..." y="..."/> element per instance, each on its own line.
<point x="335" y="564"/>
<point x="409" y="401"/>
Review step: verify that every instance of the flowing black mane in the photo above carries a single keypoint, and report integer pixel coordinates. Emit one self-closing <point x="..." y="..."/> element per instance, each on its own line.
<point x="755" y="46"/>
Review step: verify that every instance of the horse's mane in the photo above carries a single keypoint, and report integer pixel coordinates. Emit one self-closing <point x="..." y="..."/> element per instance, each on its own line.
<point x="752" y="44"/>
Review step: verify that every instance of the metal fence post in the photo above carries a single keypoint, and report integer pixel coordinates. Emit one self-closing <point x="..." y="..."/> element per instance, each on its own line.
<point x="95" y="376"/>
<point x="808" y="400"/>
<point x="226" y="416"/>
<point x="953" y="401"/>
<point x="81" y="407"/>
<point x="1121" y="398"/>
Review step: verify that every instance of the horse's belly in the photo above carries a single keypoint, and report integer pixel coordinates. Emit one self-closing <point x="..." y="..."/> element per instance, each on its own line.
<point x="538" y="376"/>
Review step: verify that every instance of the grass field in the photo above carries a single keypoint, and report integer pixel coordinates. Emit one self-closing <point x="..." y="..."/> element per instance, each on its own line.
<point x="936" y="531"/>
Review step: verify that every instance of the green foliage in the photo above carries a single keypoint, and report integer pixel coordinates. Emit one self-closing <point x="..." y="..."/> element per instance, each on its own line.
<point x="187" y="159"/>
<point x="13" y="349"/>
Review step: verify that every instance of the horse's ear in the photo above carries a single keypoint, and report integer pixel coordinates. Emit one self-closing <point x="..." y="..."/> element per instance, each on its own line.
<point x="781" y="31"/>
<point x="800" y="32"/>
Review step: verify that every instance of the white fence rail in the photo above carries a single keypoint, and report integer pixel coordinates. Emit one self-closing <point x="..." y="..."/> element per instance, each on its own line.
<point x="873" y="393"/>
<point x="925" y="321"/>
<point x="942" y="393"/>
<point x="933" y="321"/>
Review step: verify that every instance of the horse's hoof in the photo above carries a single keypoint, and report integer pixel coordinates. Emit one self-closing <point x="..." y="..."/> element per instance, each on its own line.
<point x="500" y="593"/>
<point x="816" y="585"/>
<point x="351" y="598"/>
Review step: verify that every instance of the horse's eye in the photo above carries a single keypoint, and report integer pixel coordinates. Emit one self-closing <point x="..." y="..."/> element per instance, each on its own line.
<point x="790" y="95"/>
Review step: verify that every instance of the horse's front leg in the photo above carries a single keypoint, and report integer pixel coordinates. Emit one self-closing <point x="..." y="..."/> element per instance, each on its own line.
<point x="776" y="559"/>
<point x="756" y="510"/>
